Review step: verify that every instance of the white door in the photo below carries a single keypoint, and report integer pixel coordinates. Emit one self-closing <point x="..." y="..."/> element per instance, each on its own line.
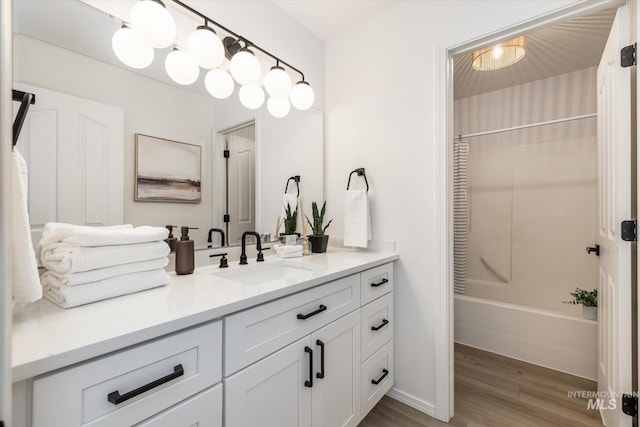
<point x="77" y="148"/>
<point x="272" y="392"/>
<point x="241" y="187"/>
<point x="614" y="181"/>
<point x="336" y="388"/>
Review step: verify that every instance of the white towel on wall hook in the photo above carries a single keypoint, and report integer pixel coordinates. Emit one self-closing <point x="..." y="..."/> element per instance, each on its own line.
<point x="24" y="269"/>
<point x="357" y="219"/>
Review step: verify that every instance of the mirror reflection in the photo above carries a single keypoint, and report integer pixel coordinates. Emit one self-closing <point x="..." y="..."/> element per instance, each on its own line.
<point x="83" y="173"/>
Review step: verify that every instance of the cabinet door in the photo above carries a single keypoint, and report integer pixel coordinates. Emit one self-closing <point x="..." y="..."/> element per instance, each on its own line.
<point x="335" y="401"/>
<point x="272" y="392"/>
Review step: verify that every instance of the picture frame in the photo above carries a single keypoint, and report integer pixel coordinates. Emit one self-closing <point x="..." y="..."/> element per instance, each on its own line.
<point x="167" y="171"/>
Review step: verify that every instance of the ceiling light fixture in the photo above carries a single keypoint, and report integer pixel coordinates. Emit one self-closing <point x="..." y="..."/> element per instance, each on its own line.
<point x="500" y="55"/>
<point x="153" y="26"/>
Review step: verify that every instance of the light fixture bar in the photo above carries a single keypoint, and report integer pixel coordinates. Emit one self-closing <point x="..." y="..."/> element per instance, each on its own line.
<point x="238" y="36"/>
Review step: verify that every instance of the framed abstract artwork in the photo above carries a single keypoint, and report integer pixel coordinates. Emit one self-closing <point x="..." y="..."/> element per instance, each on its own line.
<point x="167" y="171"/>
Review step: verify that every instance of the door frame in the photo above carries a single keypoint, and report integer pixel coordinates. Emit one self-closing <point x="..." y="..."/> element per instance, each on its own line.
<point x="444" y="338"/>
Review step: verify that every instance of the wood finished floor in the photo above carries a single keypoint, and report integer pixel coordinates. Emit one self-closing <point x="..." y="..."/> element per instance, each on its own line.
<point x="493" y="391"/>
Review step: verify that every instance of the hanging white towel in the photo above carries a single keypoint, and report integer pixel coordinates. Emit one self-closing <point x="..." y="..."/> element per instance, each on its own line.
<point x="357" y="222"/>
<point x="24" y="269"/>
<point x="52" y="278"/>
<point x="82" y="235"/>
<point x="65" y="258"/>
<point x="72" y="296"/>
<point x="290" y="200"/>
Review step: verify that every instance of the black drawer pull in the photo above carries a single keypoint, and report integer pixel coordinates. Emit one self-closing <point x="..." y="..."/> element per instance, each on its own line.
<point x="321" y="373"/>
<point x="320" y="309"/>
<point x="116" y="399"/>
<point x="380" y="326"/>
<point x="384" y="374"/>
<point x="380" y="283"/>
<point x="309" y="383"/>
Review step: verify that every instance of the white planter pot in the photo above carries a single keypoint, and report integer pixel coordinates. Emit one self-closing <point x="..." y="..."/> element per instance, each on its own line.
<point x="590" y="312"/>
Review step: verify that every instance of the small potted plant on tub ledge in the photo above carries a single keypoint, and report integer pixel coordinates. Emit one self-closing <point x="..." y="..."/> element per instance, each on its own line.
<point x="589" y="301"/>
<point x="318" y="239"/>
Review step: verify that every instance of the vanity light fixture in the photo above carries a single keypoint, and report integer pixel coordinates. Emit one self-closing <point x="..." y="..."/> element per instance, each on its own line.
<point x="152" y="26"/>
<point x="500" y="55"/>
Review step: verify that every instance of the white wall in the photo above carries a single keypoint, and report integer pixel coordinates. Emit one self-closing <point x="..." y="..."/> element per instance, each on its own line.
<point x="533" y="193"/>
<point x="381" y="111"/>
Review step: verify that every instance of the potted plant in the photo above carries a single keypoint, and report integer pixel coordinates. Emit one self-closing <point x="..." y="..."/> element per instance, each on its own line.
<point x="290" y="224"/>
<point x="318" y="239"/>
<point x="589" y="301"/>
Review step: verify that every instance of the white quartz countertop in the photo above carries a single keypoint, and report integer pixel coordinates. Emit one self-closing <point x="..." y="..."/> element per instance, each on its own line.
<point x="46" y="337"/>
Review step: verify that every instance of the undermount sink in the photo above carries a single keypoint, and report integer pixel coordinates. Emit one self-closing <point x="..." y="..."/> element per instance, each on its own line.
<point x="258" y="274"/>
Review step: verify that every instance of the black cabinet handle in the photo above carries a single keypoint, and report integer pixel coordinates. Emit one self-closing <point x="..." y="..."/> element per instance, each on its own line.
<point x="116" y="398"/>
<point x="309" y="383"/>
<point x="380" y="283"/>
<point x="320" y="309"/>
<point x="321" y="373"/>
<point x="384" y="374"/>
<point x="381" y="325"/>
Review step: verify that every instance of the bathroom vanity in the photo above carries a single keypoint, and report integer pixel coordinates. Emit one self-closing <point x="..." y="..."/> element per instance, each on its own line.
<point x="300" y="342"/>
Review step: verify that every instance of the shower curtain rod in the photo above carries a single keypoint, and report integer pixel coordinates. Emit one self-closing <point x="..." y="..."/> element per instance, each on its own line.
<point x="548" y="122"/>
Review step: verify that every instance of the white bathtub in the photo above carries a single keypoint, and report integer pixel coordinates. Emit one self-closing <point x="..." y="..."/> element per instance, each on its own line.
<point x="542" y="337"/>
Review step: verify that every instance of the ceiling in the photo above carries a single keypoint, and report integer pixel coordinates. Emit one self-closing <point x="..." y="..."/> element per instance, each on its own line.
<point x="562" y="48"/>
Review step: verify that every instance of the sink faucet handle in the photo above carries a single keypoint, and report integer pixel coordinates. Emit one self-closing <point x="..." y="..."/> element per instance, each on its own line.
<point x="260" y="257"/>
<point x="223" y="259"/>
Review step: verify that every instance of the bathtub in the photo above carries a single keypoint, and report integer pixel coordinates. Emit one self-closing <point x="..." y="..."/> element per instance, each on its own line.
<point x="542" y="337"/>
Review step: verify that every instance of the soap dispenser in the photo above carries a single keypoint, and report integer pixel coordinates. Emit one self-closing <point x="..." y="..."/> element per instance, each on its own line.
<point x="171" y="241"/>
<point x="185" y="252"/>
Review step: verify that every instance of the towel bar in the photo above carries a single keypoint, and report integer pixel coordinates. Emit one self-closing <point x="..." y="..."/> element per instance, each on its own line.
<point x="360" y="172"/>
<point x="25" y="99"/>
<point x="296" y="179"/>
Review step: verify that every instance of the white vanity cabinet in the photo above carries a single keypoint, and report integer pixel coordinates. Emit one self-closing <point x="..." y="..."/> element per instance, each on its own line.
<point x="140" y="384"/>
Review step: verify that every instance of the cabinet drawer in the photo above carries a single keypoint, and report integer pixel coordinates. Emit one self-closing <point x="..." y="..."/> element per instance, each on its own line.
<point x="172" y="369"/>
<point x="377" y="324"/>
<point x="254" y="333"/>
<point x="377" y="369"/>
<point x="376" y="282"/>
<point x="203" y="410"/>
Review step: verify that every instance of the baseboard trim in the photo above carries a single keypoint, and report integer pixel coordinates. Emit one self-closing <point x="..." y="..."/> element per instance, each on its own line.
<point x="415" y="403"/>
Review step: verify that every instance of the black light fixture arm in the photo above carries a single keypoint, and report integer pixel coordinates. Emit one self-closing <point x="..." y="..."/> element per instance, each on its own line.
<point x="238" y="36"/>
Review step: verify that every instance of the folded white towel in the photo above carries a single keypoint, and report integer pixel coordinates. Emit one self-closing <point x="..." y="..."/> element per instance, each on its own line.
<point x="82" y="235"/>
<point x="72" y="296"/>
<point x="24" y="269"/>
<point x="51" y="278"/>
<point x="66" y="258"/>
<point x="294" y="254"/>
<point x="287" y="248"/>
<point x="357" y="222"/>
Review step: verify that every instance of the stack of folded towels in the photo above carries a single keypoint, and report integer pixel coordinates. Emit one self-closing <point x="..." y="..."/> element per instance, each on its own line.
<point x="87" y="264"/>
<point x="288" y="251"/>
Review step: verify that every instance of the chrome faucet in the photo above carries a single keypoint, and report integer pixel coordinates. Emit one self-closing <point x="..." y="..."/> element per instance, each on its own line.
<point x="210" y="241"/>
<point x="243" y="255"/>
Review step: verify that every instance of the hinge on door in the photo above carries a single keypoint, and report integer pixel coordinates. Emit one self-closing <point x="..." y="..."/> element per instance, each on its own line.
<point x="227" y="154"/>
<point x="227" y="218"/>
<point x="628" y="231"/>
<point x="628" y="55"/>
<point x="630" y="404"/>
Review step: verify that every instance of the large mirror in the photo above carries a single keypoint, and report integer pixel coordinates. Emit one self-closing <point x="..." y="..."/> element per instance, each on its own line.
<point x="64" y="46"/>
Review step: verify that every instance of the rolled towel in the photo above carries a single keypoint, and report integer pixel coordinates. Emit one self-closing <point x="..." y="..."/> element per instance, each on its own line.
<point x="53" y="279"/>
<point x="357" y="222"/>
<point x="64" y="258"/>
<point x="72" y="296"/>
<point x="82" y="235"/>
<point x="24" y="269"/>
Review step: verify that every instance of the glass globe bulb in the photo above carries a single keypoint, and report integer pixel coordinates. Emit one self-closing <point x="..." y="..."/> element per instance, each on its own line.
<point x="219" y="83"/>
<point x="251" y="96"/>
<point x="205" y="47"/>
<point x="131" y="49"/>
<point x="278" y="107"/>
<point x="154" y="23"/>
<point x="277" y="83"/>
<point x="302" y="96"/>
<point x="245" y="67"/>
<point x="181" y="67"/>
